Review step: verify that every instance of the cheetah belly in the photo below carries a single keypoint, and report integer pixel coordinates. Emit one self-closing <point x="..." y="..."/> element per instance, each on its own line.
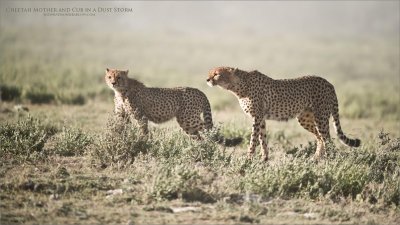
<point x="283" y="111"/>
<point x="277" y="115"/>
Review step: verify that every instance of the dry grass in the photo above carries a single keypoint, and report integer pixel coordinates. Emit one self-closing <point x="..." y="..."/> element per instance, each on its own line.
<point x="67" y="177"/>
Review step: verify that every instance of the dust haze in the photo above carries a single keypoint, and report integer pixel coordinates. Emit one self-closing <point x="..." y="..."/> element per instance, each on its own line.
<point x="222" y="19"/>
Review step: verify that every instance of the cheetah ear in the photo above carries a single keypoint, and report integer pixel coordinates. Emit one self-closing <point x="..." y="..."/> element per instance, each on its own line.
<point x="234" y="70"/>
<point x="107" y="70"/>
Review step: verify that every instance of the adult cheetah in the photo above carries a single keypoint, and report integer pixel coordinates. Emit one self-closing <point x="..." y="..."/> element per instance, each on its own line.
<point x="311" y="99"/>
<point x="136" y="101"/>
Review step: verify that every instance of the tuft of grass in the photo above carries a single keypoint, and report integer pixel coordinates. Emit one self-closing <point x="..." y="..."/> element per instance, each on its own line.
<point x="24" y="140"/>
<point x="178" y="181"/>
<point x="71" y="142"/>
<point x="176" y="146"/>
<point x="119" y="144"/>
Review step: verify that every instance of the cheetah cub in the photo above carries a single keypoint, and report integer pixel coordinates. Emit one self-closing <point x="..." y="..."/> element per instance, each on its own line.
<point x="136" y="101"/>
<point x="311" y="99"/>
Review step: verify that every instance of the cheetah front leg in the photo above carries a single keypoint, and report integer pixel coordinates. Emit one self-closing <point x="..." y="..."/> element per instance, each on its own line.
<point x="144" y="125"/>
<point x="119" y="110"/>
<point x="141" y="119"/>
<point x="257" y="122"/>
<point x="263" y="140"/>
<point x="121" y="118"/>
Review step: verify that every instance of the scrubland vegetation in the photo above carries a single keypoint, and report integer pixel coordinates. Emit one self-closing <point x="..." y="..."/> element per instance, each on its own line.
<point x="64" y="159"/>
<point x="62" y="174"/>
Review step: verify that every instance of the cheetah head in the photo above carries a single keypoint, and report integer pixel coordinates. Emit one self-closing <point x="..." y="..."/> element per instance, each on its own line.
<point x="116" y="79"/>
<point x="222" y="76"/>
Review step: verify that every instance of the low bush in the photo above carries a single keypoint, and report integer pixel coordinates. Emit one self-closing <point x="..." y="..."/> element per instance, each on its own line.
<point x="353" y="174"/>
<point x="24" y="140"/>
<point x="38" y="96"/>
<point x="119" y="144"/>
<point x="177" y="181"/>
<point x="71" y="142"/>
<point x="205" y="171"/>
<point x="123" y="141"/>
<point x="9" y="93"/>
<point x="71" y="99"/>
<point x="173" y="145"/>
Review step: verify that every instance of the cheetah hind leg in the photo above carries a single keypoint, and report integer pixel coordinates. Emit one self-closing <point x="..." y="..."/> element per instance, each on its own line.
<point x="191" y="126"/>
<point x="322" y="125"/>
<point x="307" y="120"/>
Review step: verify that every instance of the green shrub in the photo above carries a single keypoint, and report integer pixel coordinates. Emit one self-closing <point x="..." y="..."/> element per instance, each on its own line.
<point x="24" y="140"/>
<point x="348" y="179"/>
<point x="303" y="151"/>
<point x="390" y="192"/>
<point x="177" y="146"/>
<point x="71" y="142"/>
<point x="9" y="93"/>
<point x="177" y="181"/>
<point x="119" y="144"/>
<point x="374" y="175"/>
<point x="71" y="99"/>
<point x="170" y="144"/>
<point x="287" y="179"/>
<point x="202" y="151"/>
<point x="38" y="96"/>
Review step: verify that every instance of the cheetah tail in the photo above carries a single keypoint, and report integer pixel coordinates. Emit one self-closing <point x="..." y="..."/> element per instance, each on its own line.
<point x="342" y="137"/>
<point x="208" y="125"/>
<point x="231" y="142"/>
<point x="228" y="142"/>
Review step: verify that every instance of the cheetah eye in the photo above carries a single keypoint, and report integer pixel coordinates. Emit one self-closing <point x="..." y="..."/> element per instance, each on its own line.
<point x="109" y="77"/>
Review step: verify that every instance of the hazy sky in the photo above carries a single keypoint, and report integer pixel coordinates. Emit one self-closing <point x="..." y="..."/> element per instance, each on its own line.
<point x="202" y="17"/>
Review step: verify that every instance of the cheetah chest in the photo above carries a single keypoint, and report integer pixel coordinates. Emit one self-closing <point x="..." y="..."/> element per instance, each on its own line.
<point x="246" y="106"/>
